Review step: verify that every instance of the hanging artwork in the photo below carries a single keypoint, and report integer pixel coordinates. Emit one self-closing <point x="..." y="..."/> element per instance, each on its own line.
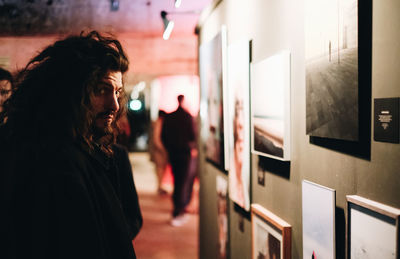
<point x="318" y="206"/>
<point x="270" y="97"/>
<point x="212" y="66"/>
<point x="331" y="55"/>
<point x="271" y="235"/>
<point x="239" y="123"/>
<point x="222" y="218"/>
<point x="373" y="229"/>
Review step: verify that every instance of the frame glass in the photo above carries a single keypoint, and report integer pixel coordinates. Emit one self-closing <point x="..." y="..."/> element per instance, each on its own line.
<point x="271" y="235"/>
<point x="372" y="229"/>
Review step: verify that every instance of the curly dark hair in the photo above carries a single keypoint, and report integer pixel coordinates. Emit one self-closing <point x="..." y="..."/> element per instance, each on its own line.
<point x="6" y="75"/>
<point x="52" y="96"/>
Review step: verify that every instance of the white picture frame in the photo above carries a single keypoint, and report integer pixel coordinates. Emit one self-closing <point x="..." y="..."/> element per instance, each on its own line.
<point x="373" y="229"/>
<point x="270" y="106"/>
<point x="318" y="211"/>
<point x="238" y="122"/>
<point x="213" y="107"/>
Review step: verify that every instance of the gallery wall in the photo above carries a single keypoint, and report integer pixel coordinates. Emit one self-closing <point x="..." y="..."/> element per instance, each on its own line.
<point x="273" y="26"/>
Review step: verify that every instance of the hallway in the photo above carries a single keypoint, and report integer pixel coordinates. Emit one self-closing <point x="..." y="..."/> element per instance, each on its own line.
<point x="158" y="239"/>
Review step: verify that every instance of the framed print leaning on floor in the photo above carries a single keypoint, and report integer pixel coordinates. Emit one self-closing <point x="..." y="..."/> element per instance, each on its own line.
<point x="271" y="235"/>
<point x="373" y="229"/>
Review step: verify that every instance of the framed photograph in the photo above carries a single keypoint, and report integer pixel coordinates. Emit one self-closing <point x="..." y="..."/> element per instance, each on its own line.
<point x="239" y="122"/>
<point x="222" y="218"/>
<point x="332" y="83"/>
<point x="270" y="110"/>
<point x="373" y="229"/>
<point x="212" y="56"/>
<point x="318" y="210"/>
<point x="271" y="235"/>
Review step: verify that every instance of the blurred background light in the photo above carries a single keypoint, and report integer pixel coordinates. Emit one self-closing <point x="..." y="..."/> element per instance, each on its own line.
<point x="135" y="105"/>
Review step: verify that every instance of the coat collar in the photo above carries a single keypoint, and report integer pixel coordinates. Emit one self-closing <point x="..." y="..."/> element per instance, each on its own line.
<point x="97" y="154"/>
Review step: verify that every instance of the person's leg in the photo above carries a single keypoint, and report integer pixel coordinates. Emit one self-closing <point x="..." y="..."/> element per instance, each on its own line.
<point x="180" y="165"/>
<point x="160" y="160"/>
<point x="160" y="174"/>
<point x="189" y="180"/>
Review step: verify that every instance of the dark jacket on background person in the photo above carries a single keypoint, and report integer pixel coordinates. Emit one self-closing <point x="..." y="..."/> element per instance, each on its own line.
<point x="178" y="137"/>
<point x="178" y="132"/>
<point x="65" y="200"/>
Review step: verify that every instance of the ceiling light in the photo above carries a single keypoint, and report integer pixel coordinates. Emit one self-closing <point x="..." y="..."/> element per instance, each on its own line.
<point x="178" y="3"/>
<point x="168" y="25"/>
<point x="114" y="5"/>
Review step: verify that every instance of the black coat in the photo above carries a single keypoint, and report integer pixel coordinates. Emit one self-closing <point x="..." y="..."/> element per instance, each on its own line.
<point x="178" y="132"/>
<point x="66" y="201"/>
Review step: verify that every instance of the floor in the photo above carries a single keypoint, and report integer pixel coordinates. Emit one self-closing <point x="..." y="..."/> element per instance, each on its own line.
<point x="158" y="239"/>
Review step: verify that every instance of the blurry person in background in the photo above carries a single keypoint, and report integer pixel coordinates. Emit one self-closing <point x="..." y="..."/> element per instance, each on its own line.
<point x="159" y="153"/>
<point x="178" y="137"/>
<point x="6" y="85"/>
<point x="66" y="189"/>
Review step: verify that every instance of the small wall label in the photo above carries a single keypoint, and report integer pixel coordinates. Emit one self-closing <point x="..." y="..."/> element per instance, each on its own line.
<point x="386" y="120"/>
